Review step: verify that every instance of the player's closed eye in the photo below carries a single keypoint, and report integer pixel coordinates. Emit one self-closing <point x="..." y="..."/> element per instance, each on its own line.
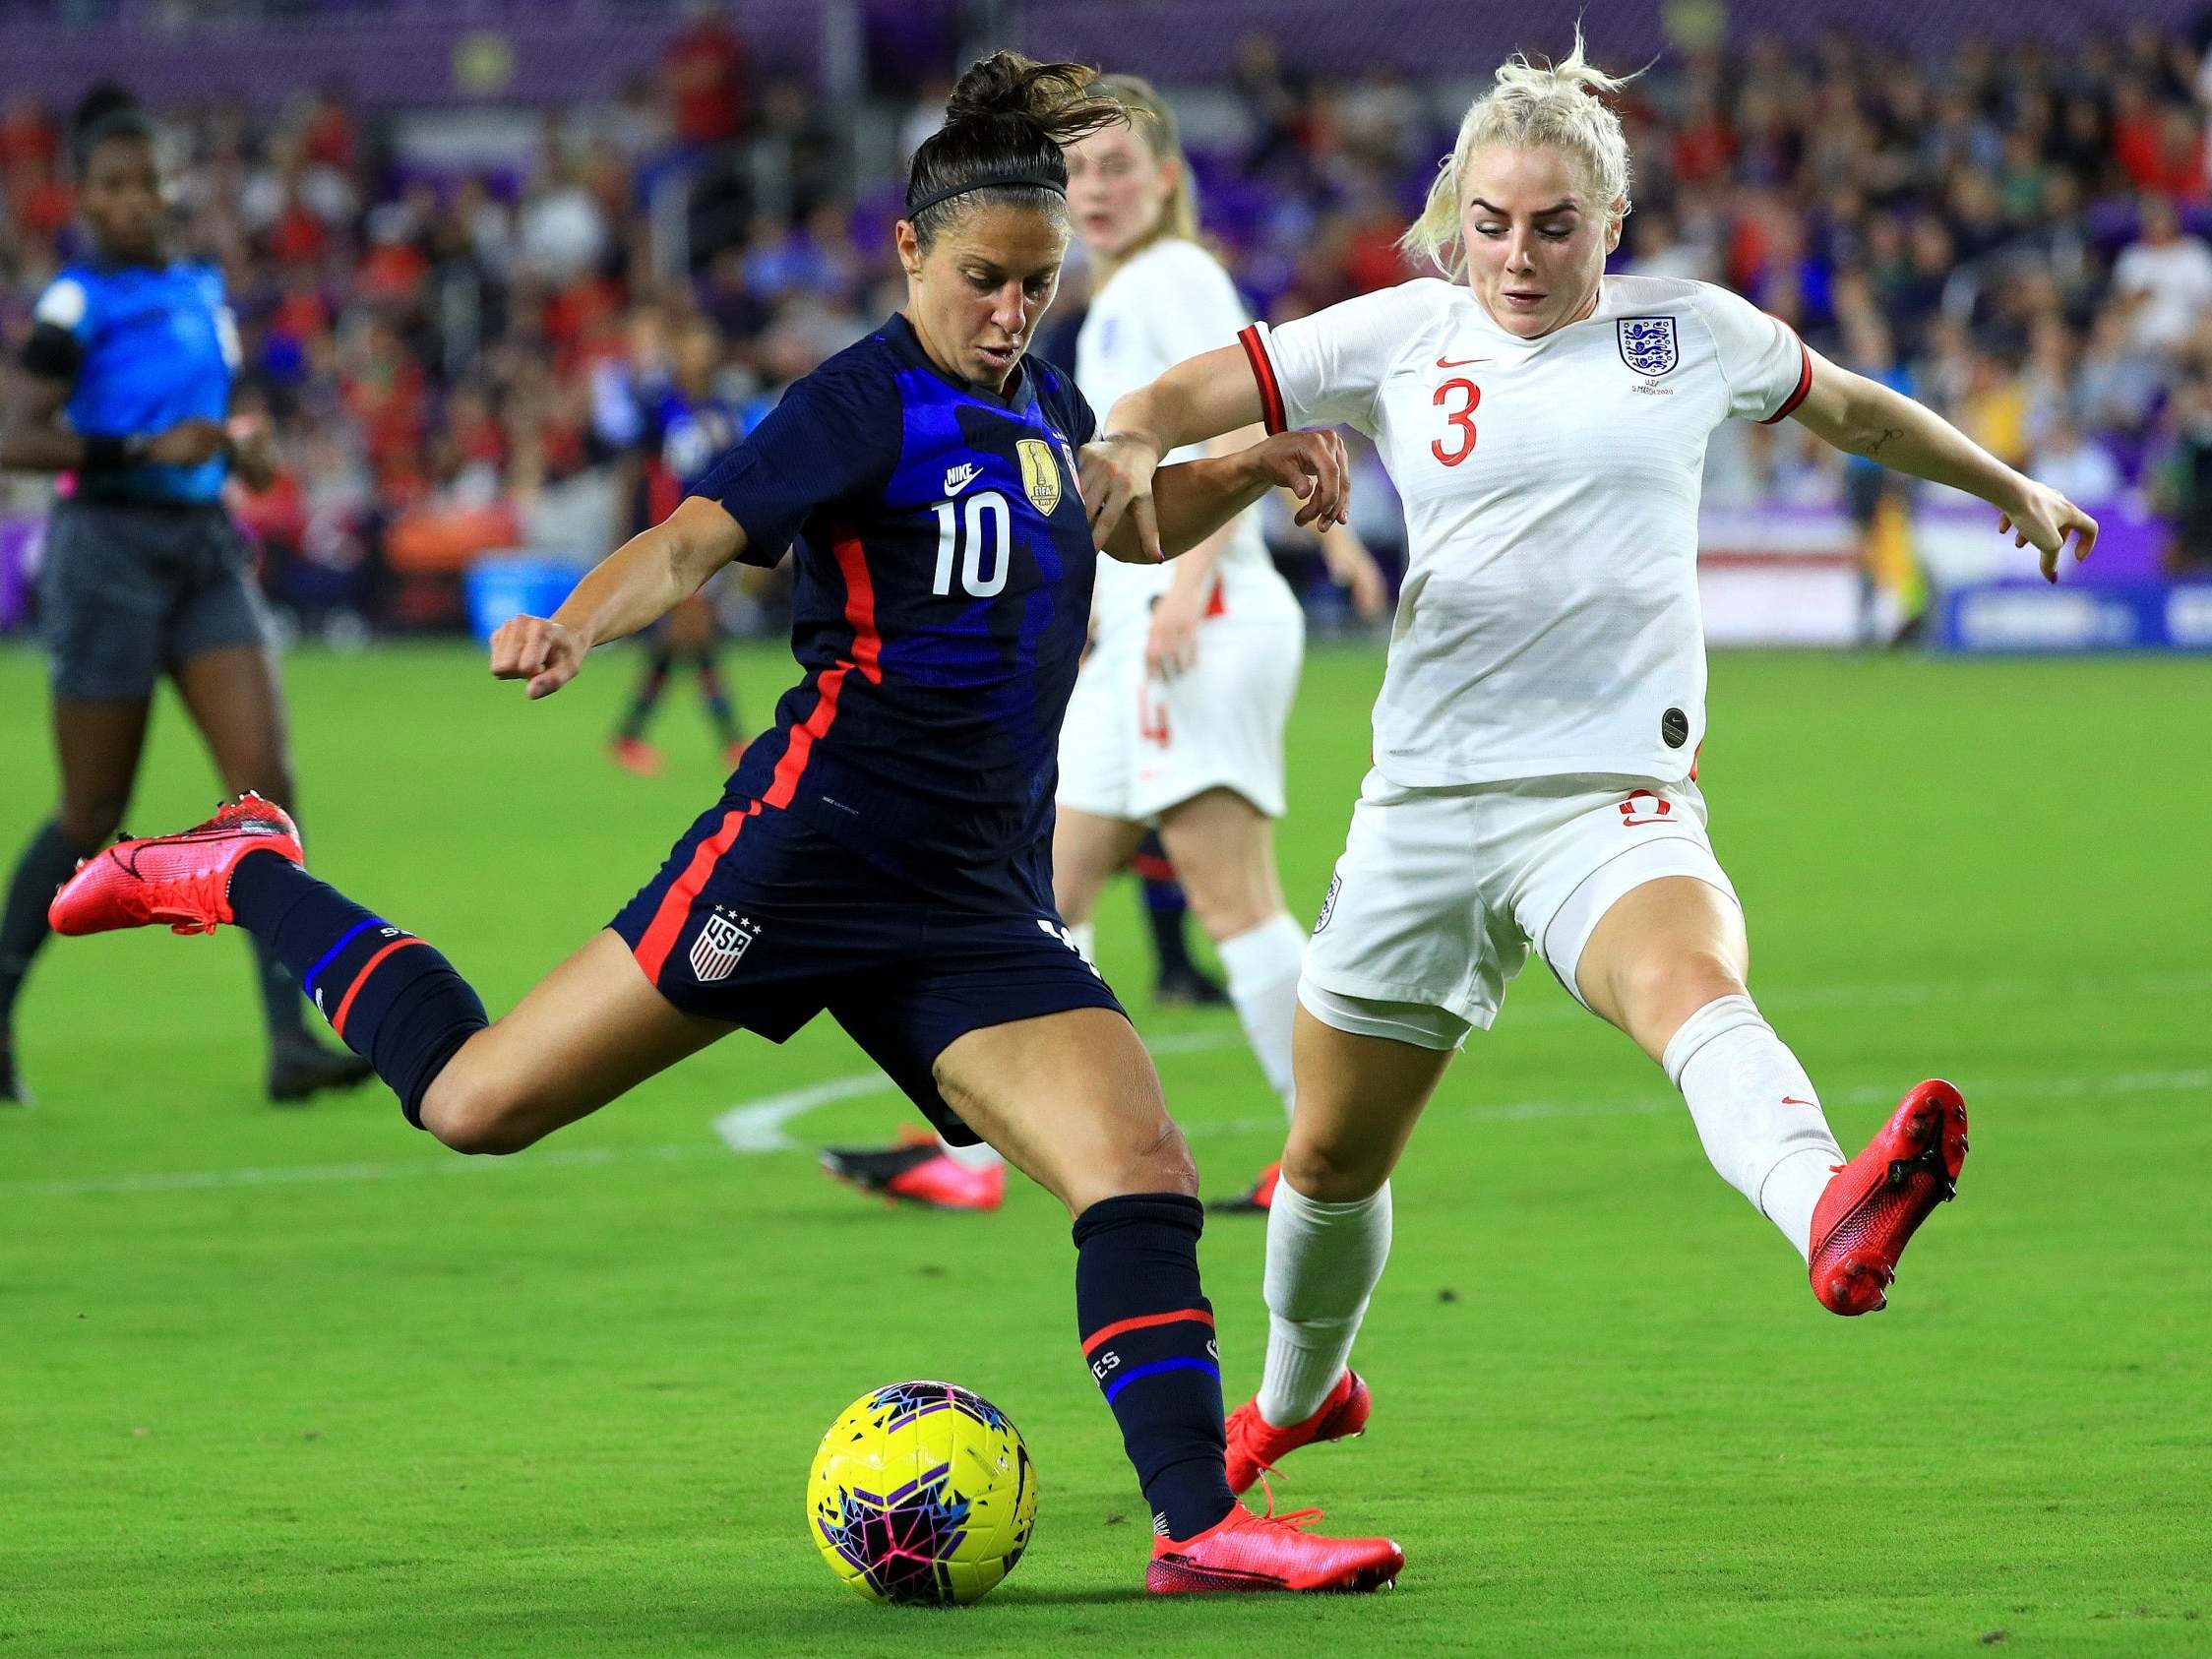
<point x="1549" y="233"/>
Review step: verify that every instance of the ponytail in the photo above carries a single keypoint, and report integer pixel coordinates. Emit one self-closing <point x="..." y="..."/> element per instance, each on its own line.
<point x="1004" y="127"/>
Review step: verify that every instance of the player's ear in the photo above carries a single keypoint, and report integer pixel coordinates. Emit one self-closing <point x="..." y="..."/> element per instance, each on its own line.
<point x="1615" y="217"/>
<point x="909" y="247"/>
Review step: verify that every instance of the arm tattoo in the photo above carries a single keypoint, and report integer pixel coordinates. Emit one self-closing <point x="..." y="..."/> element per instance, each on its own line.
<point x="1874" y="450"/>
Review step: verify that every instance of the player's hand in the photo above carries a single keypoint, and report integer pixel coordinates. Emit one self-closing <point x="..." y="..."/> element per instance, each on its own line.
<point x="2043" y="515"/>
<point x="1114" y="475"/>
<point x="1313" y="468"/>
<point x="545" y="653"/>
<point x="252" y="452"/>
<point x="1171" y="648"/>
<point x="189" y="442"/>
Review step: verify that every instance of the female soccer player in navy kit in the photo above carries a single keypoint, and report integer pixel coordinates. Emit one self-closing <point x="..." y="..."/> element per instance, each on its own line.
<point x="885" y="852"/>
<point x="124" y="383"/>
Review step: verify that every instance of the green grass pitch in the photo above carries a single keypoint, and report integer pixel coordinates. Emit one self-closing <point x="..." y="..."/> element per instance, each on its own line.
<point x="303" y="1382"/>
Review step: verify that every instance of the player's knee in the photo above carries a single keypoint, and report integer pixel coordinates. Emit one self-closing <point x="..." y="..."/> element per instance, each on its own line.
<point x="1336" y="1170"/>
<point x="1665" y="988"/>
<point x="480" y="1116"/>
<point x="89" y="822"/>
<point x="1156" y="1160"/>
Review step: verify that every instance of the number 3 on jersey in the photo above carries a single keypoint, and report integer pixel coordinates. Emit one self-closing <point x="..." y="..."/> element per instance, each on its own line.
<point x="979" y="535"/>
<point x="1462" y="417"/>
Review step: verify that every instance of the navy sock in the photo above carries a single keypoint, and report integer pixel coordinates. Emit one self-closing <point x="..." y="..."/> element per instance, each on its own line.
<point x="46" y="864"/>
<point x="1166" y="906"/>
<point x="649" y="686"/>
<point x="390" y="997"/>
<point x="1148" y="1332"/>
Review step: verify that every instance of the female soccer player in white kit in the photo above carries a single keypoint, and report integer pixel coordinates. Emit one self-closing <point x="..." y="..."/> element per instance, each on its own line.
<point x="1178" y="716"/>
<point x="1537" y="732"/>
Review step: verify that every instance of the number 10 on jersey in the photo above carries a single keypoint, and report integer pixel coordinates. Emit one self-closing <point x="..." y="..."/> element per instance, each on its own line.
<point x="978" y="536"/>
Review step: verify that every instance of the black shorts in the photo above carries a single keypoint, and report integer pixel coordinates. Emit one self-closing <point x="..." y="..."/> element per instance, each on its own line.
<point x="760" y="920"/>
<point x="127" y="592"/>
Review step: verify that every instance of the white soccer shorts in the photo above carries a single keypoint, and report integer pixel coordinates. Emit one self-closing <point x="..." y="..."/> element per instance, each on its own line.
<point x="1135" y="746"/>
<point x="1441" y="893"/>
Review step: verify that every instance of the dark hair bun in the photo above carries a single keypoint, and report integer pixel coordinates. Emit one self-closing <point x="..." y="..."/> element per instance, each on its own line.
<point x="1009" y="117"/>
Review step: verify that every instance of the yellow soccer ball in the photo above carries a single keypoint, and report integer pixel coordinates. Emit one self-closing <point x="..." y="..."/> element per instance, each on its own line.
<point x="922" y="1492"/>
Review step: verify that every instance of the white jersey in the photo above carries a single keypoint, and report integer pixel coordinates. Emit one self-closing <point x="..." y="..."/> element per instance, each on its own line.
<point x="1172" y="301"/>
<point x="1549" y="622"/>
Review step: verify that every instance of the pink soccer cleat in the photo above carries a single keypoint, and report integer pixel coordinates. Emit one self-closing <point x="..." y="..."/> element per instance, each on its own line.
<point x="919" y="1171"/>
<point x="1256" y="1445"/>
<point x="1874" y="1203"/>
<point x="1245" y="1552"/>
<point x="183" y="880"/>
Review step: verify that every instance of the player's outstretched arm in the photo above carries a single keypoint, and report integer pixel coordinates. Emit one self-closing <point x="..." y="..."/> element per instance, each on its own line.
<point x="1867" y="418"/>
<point x="1201" y="397"/>
<point x="633" y="586"/>
<point x="1191" y="500"/>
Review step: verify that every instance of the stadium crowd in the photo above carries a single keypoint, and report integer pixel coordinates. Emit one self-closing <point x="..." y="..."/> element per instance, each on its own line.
<point x="2016" y="235"/>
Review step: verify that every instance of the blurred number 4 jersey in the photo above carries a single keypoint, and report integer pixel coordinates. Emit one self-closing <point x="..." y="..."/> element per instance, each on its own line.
<point x="942" y="585"/>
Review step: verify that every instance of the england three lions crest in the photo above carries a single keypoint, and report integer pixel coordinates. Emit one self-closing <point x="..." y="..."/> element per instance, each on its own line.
<point x="1647" y="344"/>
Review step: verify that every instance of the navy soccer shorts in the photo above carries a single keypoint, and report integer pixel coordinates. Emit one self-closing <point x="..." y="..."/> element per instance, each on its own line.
<point x="762" y="921"/>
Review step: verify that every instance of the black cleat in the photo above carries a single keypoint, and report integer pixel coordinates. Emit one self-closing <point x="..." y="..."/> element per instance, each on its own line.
<point x="12" y="1092"/>
<point x="873" y="1169"/>
<point x="1185" y="987"/>
<point x="302" y="1070"/>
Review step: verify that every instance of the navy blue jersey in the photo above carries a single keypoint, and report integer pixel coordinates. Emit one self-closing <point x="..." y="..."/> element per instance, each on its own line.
<point x="690" y="433"/>
<point x="942" y="593"/>
<point x="142" y="347"/>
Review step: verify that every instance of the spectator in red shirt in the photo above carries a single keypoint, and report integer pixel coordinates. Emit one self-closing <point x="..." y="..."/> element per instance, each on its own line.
<point x="705" y="68"/>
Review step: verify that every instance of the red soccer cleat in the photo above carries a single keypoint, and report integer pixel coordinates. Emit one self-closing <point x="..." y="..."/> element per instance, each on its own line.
<point x="921" y="1171"/>
<point x="636" y="756"/>
<point x="182" y="880"/>
<point x="1258" y="1200"/>
<point x="1247" y="1552"/>
<point x="1256" y="1444"/>
<point x="1874" y="1203"/>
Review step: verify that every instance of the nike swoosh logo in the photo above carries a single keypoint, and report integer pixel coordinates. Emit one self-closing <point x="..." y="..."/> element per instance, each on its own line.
<point x="1458" y="362"/>
<point x="1793" y="1101"/>
<point x="958" y="478"/>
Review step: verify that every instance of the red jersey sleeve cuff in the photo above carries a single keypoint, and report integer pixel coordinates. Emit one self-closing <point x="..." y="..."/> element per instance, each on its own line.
<point x="1804" y="384"/>
<point x="1264" y="372"/>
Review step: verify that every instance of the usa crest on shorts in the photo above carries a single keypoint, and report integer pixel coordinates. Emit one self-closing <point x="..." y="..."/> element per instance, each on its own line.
<point x="720" y="947"/>
<point x="1647" y="344"/>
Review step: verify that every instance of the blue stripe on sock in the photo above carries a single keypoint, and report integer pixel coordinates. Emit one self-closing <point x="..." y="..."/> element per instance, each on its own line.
<point x="1182" y="1362"/>
<point x="346" y="938"/>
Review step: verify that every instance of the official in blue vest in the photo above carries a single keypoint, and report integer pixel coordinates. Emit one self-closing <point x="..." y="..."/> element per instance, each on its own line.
<point x="124" y="386"/>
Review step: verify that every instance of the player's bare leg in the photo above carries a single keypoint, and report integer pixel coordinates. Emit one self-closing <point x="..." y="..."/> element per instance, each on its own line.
<point x="1086" y="851"/>
<point x="586" y="1035"/>
<point x="1073" y="1100"/>
<point x="1224" y="850"/>
<point x="1667" y="964"/>
<point x="1329" y="1232"/>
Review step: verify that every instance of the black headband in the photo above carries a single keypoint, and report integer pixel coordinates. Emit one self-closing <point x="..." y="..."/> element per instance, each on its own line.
<point x="1032" y="181"/>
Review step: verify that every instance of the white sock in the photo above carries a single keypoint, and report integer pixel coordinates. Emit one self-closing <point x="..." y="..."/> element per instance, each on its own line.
<point x="1756" y="1112"/>
<point x="982" y="1156"/>
<point x="1262" y="969"/>
<point x="1085" y="933"/>
<point x="1323" y="1262"/>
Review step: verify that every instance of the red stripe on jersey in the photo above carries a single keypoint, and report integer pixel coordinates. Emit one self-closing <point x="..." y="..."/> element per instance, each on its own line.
<point x="345" y="1003"/>
<point x="1804" y="384"/>
<point x="867" y="657"/>
<point x="1264" y="371"/>
<point x="675" y="904"/>
<point x="1144" y="1321"/>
